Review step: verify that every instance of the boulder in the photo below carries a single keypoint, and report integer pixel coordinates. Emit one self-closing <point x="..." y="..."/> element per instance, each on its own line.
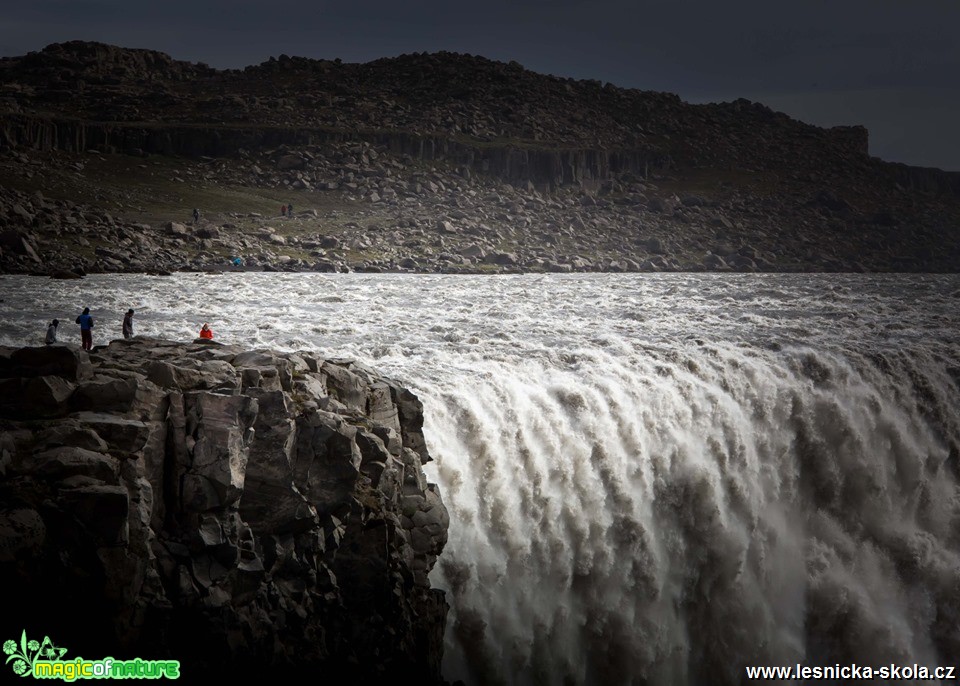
<point x="65" y="274"/>
<point x="121" y="434"/>
<point x="330" y="243"/>
<point x="271" y="501"/>
<point x="287" y="162"/>
<point x="328" y="461"/>
<point x="220" y="429"/>
<point x="39" y="396"/>
<point x="345" y="386"/>
<point x="59" y="463"/>
<point x="67" y="362"/>
<point x="656" y="246"/>
<point x="501" y="258"/>
<point x="662" y="205"/>
<point x="15" y="243"/>
<point x="108" y="394"/>
<point x="711" y="261"/>
<point x="71" y="433"/>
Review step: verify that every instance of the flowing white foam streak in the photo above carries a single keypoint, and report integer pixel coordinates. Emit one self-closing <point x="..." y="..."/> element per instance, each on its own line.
<point x="674" y="515"/>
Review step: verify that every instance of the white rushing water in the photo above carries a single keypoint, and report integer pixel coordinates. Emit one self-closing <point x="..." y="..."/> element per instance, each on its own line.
<point x="651" y="478"/>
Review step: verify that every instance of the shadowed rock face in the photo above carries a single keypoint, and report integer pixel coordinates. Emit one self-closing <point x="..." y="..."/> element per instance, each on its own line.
<point x="240" y="511"/>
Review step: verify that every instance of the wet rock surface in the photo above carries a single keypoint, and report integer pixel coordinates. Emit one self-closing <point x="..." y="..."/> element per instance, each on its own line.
<point x="241" y="511"/>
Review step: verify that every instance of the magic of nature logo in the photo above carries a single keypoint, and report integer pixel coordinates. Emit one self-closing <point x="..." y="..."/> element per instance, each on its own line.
<point x="44" y="660"/>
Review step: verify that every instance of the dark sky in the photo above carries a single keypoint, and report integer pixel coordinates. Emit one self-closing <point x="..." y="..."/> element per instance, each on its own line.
<point x="892" y="65"/>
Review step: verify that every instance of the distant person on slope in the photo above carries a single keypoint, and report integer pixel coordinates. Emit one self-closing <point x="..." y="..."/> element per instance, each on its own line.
<point x="283" y="210"/>
<point x="51" y="336"/>
<point x="196" y="215"/>
<point x="206" y="332"/>
<point x="290" y="210"/>
<point x="128" y="324"/>
<point x="86" y="329"/>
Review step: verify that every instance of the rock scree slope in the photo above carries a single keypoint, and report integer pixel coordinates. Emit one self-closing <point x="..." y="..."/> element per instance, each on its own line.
<point x="433" y="162"/>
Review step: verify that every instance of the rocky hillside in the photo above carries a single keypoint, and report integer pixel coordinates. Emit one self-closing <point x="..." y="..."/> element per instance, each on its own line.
<point x="240" y="511"/>
<point x="434" y="162"/>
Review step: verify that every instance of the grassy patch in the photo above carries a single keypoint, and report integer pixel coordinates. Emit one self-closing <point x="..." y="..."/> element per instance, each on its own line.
<point x="155" y="190"/>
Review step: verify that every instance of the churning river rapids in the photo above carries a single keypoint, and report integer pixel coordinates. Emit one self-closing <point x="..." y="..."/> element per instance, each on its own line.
<point x="651" y="478"/>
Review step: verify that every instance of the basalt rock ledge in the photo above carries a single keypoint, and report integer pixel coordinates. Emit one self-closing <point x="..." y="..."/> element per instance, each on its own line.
<point x="240" y="511"/>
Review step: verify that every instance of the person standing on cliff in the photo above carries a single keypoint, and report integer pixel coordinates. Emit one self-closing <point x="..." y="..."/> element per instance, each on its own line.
<point x="196" y="215"/>
<point x="128" y="324"/>
<point x="86" y="329"/>
<point x="51" y="336"/>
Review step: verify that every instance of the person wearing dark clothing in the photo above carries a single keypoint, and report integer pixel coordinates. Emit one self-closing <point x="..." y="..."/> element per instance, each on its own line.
<point x="290" y="210"/>
<point x="128" y="324"/>
<point x="86" y="329"/>
<point x="51" y="336"/>
<point x="196" y="215"/>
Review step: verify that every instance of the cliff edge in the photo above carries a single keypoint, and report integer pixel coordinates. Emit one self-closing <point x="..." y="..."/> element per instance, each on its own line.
<point x="240" y="511"/>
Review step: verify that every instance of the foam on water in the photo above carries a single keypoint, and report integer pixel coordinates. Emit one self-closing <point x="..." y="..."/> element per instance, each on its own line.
<point x="662" y="477"/>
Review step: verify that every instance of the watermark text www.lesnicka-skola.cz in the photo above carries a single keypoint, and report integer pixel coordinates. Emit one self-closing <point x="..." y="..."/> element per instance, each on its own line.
<point x="853" y="672"/>
<point x="44" y="660"/>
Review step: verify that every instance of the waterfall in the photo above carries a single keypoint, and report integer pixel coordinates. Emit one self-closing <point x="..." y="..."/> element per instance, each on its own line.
<point x="674" y="515"/>
<point x="651" y="478"/>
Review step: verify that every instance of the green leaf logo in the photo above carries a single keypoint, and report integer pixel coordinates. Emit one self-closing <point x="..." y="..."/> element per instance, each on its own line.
<point x="25" y="656"/>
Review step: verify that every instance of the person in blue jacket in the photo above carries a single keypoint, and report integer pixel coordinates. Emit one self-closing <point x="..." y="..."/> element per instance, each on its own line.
<point x="86" y="329"/>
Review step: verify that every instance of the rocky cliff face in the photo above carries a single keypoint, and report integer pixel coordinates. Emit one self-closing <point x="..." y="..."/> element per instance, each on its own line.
<point x="434" y="163"/>
<point x="236" y="510"/>
<point x="494" y="117"/>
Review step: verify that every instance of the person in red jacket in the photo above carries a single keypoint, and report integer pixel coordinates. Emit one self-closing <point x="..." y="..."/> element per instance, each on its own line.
<point x="206" y="332"/>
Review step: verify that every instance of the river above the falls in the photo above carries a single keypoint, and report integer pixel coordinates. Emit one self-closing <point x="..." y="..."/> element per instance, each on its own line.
<point x="661" y="477"/>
